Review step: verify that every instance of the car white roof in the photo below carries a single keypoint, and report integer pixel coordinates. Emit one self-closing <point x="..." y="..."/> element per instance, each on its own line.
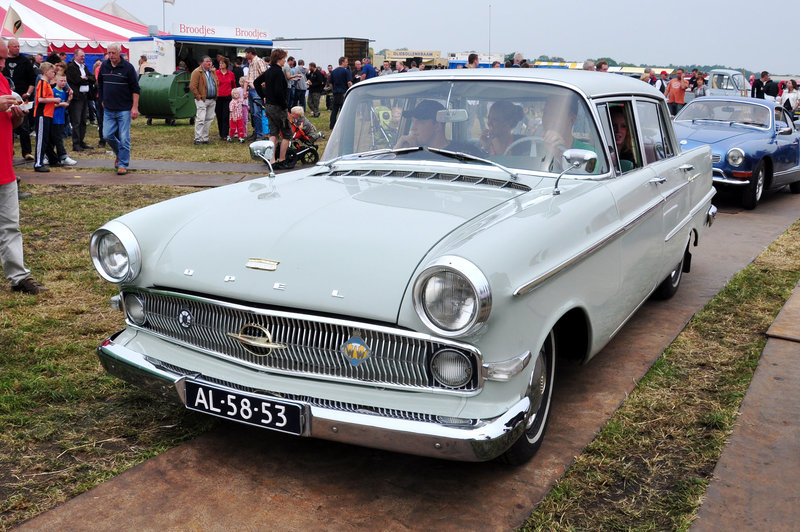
<point x="593" y="84"/>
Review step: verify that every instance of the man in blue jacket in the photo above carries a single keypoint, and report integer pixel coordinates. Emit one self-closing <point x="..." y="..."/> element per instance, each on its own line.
<point x="118" y="92"/>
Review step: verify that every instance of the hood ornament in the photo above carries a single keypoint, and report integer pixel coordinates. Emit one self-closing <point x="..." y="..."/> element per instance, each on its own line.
<point x="256" y="340"/>
<point x="262" y="264"/>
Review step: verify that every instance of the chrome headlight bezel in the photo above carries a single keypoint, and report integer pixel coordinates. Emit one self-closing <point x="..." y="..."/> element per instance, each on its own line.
<point x="130" y="245"/>
<point x="735" y="157"/>
<point x="472" y="276"/>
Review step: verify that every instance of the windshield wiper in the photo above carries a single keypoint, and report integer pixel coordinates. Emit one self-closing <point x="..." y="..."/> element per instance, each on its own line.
<point x="461" y="156"/>
<point x="371" y="153"/>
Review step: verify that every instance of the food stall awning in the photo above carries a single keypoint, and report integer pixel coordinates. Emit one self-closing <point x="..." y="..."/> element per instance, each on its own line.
<point x="65" y="24"/>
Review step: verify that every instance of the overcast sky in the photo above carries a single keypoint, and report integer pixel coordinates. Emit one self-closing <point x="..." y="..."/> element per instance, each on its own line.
<point x="736" y="33"/>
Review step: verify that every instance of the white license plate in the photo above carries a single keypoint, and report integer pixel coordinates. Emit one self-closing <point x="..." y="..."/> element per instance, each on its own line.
<point x="264" y="412"/>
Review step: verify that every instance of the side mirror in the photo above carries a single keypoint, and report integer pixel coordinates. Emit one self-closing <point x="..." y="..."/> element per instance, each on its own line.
<point x="262" y="150"/>
<point x="573" y="159"/>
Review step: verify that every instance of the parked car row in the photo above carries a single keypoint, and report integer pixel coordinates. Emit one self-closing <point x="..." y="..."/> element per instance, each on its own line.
<point x="416" y="290"/>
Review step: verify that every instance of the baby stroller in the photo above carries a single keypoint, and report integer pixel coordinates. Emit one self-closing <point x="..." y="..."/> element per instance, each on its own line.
<point x="302" y="147"/>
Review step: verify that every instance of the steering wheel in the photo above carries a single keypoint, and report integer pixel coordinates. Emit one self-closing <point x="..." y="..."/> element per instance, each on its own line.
<point x="551" y="156"/>
<point x="532" y="139"/>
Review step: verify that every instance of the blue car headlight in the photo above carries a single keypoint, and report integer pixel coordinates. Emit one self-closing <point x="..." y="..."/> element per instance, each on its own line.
<point x="735" y="157"/>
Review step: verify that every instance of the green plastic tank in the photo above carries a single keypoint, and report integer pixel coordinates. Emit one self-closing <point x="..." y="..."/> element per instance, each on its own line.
<point x="166" y="96"/>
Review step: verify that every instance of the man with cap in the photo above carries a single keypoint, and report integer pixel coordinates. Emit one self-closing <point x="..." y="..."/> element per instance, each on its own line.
<point x="661" y="82"/>
<point x="425" y="129"/>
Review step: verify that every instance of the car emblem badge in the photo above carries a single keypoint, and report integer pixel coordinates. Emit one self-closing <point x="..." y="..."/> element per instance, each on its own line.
<point x="262" y="264"/>
<point x="185" y="318"/>
<point x="356" y="350"/>
<point x="256" y="340"/>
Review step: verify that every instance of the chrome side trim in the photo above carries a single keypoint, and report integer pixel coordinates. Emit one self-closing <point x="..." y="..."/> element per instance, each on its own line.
<point x="484" y="440"/>
<point x="531" y="285"/>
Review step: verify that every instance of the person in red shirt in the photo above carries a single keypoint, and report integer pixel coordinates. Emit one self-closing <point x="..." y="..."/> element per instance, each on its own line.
<point x="227" y="82"/>
<point x="10" y="236"/>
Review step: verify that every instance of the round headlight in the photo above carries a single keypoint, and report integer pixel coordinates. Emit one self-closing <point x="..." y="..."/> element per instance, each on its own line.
<point x="452" y="296"/>
<point x="134" y="308"/>
<point x="451" y="368"/>
<point x="735" y="157"/>
<point x="115" y="253"/>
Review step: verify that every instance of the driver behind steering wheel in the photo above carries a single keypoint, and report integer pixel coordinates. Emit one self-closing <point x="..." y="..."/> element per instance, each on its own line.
<point x="496" y="139"/>
<point x="558" y="118"/>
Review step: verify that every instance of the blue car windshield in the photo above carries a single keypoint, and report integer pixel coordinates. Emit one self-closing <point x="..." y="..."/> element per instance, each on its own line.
<point x="520" y="125"/>
<point x="726" y="111"/>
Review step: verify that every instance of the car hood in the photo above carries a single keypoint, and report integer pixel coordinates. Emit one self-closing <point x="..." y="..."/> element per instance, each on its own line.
<point x="345" y="245"/>
<point x="712" y="132"/>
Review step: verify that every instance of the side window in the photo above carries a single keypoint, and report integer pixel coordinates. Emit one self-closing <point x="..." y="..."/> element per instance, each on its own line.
<point x="655" y="137"/>
<point x="619" y="129"/>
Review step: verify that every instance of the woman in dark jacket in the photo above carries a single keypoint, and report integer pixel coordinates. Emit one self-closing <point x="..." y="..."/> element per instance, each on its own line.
<point x="273" y="88"/>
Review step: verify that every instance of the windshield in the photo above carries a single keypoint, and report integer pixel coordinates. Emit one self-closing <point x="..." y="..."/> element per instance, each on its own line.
<point x="520" y="125"/>
<point x="726" y="111"/>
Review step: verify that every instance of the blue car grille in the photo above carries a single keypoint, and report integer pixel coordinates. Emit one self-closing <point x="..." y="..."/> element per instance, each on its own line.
<point x="311" y="346"/>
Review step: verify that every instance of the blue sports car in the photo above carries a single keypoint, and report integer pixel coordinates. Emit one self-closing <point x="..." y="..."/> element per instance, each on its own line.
<point x="755" y="145"/>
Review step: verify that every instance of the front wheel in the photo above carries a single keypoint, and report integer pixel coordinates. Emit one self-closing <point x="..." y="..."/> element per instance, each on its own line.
<point x="540" y="393"/>
<point x="754" y="190"/>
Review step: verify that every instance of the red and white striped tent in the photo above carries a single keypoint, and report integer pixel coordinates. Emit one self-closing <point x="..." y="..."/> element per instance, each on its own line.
<point x="62" y="25"/>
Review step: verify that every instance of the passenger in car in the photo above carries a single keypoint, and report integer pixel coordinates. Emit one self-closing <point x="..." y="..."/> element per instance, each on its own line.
<point x="558" y="119"/>
<point x="425" y="130"/>
<point x="503" y="117"/>
<point x="622" y="139"/>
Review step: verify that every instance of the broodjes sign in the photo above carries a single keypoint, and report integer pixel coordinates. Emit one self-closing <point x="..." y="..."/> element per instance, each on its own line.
<point x="223" y="32"/>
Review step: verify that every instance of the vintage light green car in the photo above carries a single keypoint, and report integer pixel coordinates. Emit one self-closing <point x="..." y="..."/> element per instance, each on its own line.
<point x="465" y="231"/>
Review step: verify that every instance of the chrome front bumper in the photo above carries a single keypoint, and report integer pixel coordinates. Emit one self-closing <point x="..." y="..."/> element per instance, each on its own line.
<point x="484" y="441"/>
<point x="719" y="177"/>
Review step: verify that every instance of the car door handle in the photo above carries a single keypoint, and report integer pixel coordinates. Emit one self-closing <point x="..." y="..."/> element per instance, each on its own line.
<point x="686" y="167"/>
<point x="658" y="180"/>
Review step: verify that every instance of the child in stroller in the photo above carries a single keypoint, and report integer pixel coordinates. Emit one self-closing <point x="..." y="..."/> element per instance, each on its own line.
<point x="304" y="135"/>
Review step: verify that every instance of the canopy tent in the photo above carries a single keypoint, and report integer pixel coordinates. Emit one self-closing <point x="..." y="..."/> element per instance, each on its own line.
<point x="62" y="25"/>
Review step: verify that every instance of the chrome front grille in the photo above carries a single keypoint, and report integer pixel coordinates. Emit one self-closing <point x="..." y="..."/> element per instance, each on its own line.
<point x="399" y="359"/>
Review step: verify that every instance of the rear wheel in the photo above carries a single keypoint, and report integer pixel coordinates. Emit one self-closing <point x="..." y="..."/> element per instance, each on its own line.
<point x="669" y="286"/>
<point x="754" y="190"/>
<point x="540" y="393"/>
